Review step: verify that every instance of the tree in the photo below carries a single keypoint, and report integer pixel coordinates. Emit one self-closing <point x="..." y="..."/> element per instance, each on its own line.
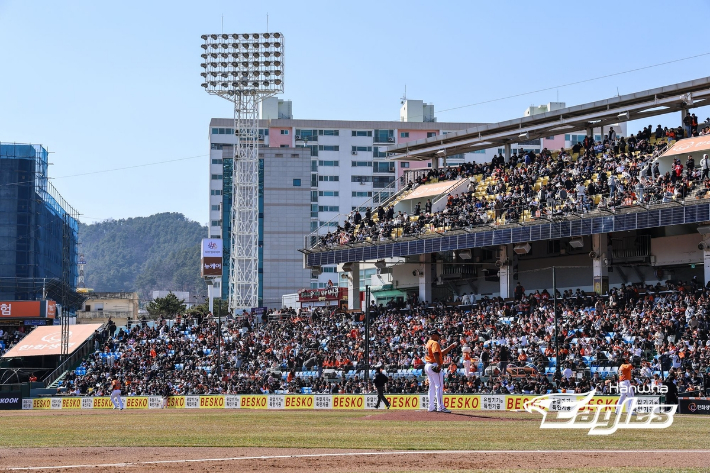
<point x="220" y="308"/>
<point x="167" y="306"/>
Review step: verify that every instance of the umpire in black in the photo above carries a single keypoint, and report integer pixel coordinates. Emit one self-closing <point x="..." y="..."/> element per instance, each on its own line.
<point x="380" y="382"/>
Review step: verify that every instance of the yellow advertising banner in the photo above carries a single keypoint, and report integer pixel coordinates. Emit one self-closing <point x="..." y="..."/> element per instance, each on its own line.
<point x="347" y="401"/>
<point x="211" y="402"/>
<point x="71" y="403"/>
<point x="257" y="401"/>
<point x="42" y="403"/>
<point x="404" y="401"/>
<point x="466" y="402"/>
<point x="176" y="402"/>
<point x="297" y="402"/>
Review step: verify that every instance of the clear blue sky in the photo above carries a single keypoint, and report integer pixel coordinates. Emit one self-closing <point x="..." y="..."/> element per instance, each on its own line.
<point x="106" y="85"/>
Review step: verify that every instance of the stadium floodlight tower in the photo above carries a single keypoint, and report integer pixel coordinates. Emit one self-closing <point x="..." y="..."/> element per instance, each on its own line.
<point x="244" y="68"/>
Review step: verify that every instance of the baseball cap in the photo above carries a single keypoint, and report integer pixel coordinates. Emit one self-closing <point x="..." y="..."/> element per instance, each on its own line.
<point x="434" y="332"/>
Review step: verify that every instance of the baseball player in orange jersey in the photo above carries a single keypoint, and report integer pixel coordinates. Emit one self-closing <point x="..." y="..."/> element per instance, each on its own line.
<point x="625" y="388"/>
<point x="434" y="362"/>
<point x="116" y="394"/>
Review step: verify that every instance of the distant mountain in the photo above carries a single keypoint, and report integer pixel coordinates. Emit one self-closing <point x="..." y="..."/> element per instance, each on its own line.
<point x="160" y="252"/>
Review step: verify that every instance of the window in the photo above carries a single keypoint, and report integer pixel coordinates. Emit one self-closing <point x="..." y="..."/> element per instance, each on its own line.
<point x="284" y="132"/>
<point x="215" y="223"/>
<point x="362" y="133"/>
<point x="479" y="151"/>
<point x="328" y="178"/>
<point x="550" y="137"/>
<point x="216" y="161"/>
<point x="314" y="196"/>
<point x="314" y="180"/>
<point x="216" y="176"/>
<point x="215" y="207"/>
<point x="430" y="134"/>
<point x="329" y="132"/>
<point x="357" y="164"/>
<point x="378" y="152"/>
<point x="379" y="182"/>
<point x="330" y="269"/>
<point x="216" y="192"/>
<point x="264" y="131"/>
<point x="366" y="149"/>
<point x="362" y="194"/>
<point x="360" y="209"/>
<point x="361" y="178"/>
<point x="282" y="146"/>
<point x="296" y="183"/>
<point x="314" y="166"/>
<point x="314" y="150"/>
<point x="404" y="165"/>
<point x="328" y="148"/>
<point x="328" y="224"/>
<point x="404" y="134"/>
<point x="329" y="193"/>
<point x="314" y="210"/>
<point x="314" y="226"/>
<point x="310" y="135"/>
<point x="328" y="208"/>
<point x="383" y="167"/>
<point x="384" y="136"/>
<point x="329" y="163"/>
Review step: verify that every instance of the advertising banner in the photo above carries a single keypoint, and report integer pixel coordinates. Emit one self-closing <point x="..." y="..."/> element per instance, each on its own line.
<point x="484" y="402"/>
<point x="10" y="400"/>
<point x="47" y="340"/>
<point x="211" y="257"/>
<point x="326" y="294"/>
<point x="27" y="309"/>
<point x="694" y="405"/>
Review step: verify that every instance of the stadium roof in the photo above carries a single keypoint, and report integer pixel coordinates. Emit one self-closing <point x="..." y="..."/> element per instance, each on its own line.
<point x="645" y="104"/>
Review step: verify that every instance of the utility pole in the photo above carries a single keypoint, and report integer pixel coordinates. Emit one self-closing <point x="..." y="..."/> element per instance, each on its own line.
<point x="367" y="337"/>
<point x="557" y="333"/>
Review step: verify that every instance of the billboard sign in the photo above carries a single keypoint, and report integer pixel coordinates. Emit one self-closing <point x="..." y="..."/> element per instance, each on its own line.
<point x="47" y="340"/>
<point x="28" y="309"/>
<point x="211" y="257"/>
<point x="211" y="248"/>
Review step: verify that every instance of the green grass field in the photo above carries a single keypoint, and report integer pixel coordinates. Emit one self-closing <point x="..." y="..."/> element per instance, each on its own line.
<point x="323" y="429"/>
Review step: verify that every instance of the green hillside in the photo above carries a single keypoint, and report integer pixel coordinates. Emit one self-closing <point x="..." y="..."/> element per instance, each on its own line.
<point x="160" y="252"/>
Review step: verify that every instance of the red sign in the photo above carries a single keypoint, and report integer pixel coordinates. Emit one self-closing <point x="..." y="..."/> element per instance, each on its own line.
<point x="327" y="294"/>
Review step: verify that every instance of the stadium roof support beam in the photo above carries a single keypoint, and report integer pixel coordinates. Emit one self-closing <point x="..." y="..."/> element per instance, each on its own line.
<point x="649" y="103"/>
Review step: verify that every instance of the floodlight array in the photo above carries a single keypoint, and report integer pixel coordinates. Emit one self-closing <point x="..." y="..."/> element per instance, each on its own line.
<point x="243" y="64"/>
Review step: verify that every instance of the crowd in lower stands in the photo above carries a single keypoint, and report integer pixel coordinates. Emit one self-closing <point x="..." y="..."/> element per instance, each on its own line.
<point x="663" y="329"/>
<point x="606" y="175"/>
<point x="9" y="338"/>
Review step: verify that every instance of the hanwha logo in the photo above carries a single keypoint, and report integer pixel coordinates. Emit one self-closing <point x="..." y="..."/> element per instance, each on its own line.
<point x="54" y="338"/>
<point x="692" y="407"/>
<point x="212" y="245"/>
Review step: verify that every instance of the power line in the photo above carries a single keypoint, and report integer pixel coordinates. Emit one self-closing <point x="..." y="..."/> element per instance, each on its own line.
<point x="110" y="170"/>
<point x="574" y="83"/>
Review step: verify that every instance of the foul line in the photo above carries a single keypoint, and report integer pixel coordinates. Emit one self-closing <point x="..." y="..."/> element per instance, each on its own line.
<point x="348" y="454"/>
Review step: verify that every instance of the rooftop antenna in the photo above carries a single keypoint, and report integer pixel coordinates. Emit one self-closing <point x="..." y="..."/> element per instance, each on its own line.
<point x="617" y="91"/>
<point x="223" y="23"/>
<point x="267" y="22"/>
<point x="404" y="97"/>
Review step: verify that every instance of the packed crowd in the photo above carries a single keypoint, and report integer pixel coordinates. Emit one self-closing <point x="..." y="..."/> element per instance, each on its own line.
<point x="664" y="330"/>
<point x="613" y="173"/>
<point x="9" y="338"/>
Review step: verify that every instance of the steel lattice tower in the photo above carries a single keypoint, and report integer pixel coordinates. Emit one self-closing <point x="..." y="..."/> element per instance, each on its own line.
<point x="244" y="68"/>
